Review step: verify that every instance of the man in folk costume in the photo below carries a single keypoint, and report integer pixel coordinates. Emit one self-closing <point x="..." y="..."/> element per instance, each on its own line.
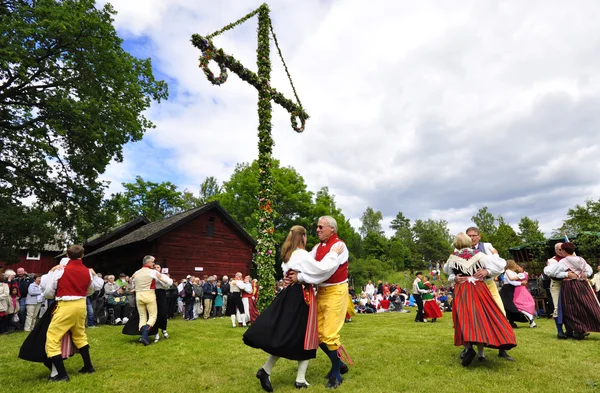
<point x="332" y="299"/>
<point x="72" y="284"/>
<point x="418" y="289"/>
<point x="578" y="306"/>
<point x="235" y="306"/>
<point x="487" y="248"/>
<point x="144" y="281"/>
<point x="555" y="289"/>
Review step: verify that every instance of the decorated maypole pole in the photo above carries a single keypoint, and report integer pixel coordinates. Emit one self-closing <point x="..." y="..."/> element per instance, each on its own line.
<point x="265" y="250"/>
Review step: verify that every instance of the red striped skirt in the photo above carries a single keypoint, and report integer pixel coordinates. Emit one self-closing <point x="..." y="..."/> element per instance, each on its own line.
<point x="478" y="319"/>
<point x="431" y="309"/>
<point x="580" y="308"/>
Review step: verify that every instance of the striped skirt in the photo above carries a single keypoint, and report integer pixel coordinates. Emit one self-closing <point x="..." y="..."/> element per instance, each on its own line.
<point x="579" y="307"/>
<point x="478" y="319"/>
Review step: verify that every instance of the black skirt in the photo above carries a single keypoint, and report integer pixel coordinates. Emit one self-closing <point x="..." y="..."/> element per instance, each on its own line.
<point x="162" y="307"/>
<point x="507" y="294"/>
<point x="131" y="328"/>
<point x="281" y="327"/>
<point x="33" y="348"/>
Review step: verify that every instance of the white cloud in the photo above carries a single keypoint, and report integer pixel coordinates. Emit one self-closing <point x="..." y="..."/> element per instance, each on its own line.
<point x="431" y="108"/>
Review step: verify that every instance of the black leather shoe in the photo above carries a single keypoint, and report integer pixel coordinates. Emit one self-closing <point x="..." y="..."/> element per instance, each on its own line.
<point x="58" y="378"/>
<point x="333" y="383"/>
<point x="578" y="336"/>
<point x="504" y="355"/>
<point x="343" y="370"/>
<point x="144" y="341"/>
<point x="300" y="385"/>
<point x="265" y="383"/>
<point x="562" y="336"/>
<point x="462" y="354"/>
<point x="481" y="359"/>
<point x="87" y="370"/>
<point x="469" y="356"/>
<point x="514" y="325"/>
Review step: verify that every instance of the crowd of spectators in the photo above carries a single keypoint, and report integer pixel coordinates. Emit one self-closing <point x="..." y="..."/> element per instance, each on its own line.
<point x="392" y="297"/>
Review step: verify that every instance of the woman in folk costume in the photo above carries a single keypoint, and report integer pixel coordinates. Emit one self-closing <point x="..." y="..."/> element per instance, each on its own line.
<point x="578" y="307"/>
<point x="288" y="326"/>
<point x="430" y="307"/>
<point x="518" y="302"/>
<point x="477" y="318"/>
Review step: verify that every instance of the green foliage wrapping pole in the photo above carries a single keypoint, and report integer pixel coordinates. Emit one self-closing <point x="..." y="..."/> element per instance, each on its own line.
<point x="265" y="253"/>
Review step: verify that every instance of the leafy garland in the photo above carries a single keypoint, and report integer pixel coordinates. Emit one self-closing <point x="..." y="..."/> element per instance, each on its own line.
<point x="265" y="249"/>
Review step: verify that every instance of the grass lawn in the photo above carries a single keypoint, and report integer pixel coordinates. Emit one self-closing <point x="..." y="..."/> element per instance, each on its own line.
<point x="391" y="354"/>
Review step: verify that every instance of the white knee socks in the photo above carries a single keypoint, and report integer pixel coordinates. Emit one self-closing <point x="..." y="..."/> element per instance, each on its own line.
<point x="301" y="376"/>
<point x="268" y="366"/>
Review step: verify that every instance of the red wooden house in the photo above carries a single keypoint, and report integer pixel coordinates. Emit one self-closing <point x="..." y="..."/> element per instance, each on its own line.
<point x="34" y="261"/>
<point x="203" y="240"/>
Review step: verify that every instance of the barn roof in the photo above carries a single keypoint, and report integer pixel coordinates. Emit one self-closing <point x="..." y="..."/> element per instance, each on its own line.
<point x="156" y="229"/>
<point x="115" y="232"/>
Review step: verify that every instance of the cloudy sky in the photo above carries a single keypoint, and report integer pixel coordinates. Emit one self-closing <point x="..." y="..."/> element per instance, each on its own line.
<point x="431" y="108"/>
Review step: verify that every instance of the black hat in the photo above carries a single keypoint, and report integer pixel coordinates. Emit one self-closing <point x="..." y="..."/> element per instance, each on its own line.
<point x="122" y="275"/>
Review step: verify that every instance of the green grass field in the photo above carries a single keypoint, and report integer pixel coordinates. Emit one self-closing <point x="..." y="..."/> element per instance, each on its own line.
<point x="391" y="354"/>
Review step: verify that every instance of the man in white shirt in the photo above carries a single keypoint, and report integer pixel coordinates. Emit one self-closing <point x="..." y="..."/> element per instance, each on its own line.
<point x="370" y="289"/>
<point x="417" y="292"/>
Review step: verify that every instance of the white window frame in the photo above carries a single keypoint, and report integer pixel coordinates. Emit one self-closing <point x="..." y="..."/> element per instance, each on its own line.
<point x="34" y="257"/>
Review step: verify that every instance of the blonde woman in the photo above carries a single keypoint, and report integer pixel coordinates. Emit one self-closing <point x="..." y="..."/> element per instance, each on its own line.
<point x="517" y="300"/>
<point x="288" y="326"/>
<point x="477" y="318"/>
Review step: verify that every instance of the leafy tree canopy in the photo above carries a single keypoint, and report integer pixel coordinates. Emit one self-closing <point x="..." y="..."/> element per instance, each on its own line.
<point x="70" y="98"/>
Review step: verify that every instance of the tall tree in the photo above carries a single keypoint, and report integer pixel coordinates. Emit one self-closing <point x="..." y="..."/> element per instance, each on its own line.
<point x="292" y="203"/>
<point x="70" y="98"/>
<point x="209" y="190"/>
<point x="325" y="205"/>
<point x="403" y="250"/>
<point x="529" y="230"/>
<point x="504" y="238"/>
<point x="155" y="201"/>
<point x="371" y="222"/>
<point x="486" y="222"/>
<point x="432" y="239"/>
<point x="584" y="218"/>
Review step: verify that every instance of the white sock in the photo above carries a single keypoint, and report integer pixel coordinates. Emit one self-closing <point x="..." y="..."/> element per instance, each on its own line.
<point x="480" y="348"/>
<point x="54" y="371"/>
<point x="301" y="376"/>
<point x="528" y="316"/>
<point x="268" y="366"/>
<point x="233" y="320"/>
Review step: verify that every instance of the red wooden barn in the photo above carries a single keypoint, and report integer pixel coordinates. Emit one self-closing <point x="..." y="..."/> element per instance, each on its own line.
<point x="203" y="240"/>
<point x="35" y="262"/>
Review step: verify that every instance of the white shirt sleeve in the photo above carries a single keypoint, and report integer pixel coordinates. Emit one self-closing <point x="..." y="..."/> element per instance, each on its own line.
<point x="309" y="270"/>
<point x="556" y="270"/>
<point x="49" y="283"/>
<point x="511" y="278"/>
<point x="240" y="284"/>
<point x="494" y="264"/>
<point x="95" y="285"/>
<point x="248" y="287"/>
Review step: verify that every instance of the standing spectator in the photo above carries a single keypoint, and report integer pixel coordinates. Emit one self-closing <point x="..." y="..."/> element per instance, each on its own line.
<point x="197" y="284"/>
<point x="208" y="293"/>
<point x="218" y="304"/>
<point x="172" y="299"/>
<point x="23" y="280"/>
<point x="13" y="310"/>
<point x="370" y="289"/>
<point x="33" y="303"/>
<point x="110" y="287"/>
<point x="379" y="287"/>
<point x="225" y="288"/>
<point x="4" y="305"/>
<point x="189" y="298"/>
<point x="122" y="281"/>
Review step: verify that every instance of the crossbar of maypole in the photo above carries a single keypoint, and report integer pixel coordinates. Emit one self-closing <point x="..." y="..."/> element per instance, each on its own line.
<point x="266" y="247"/>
